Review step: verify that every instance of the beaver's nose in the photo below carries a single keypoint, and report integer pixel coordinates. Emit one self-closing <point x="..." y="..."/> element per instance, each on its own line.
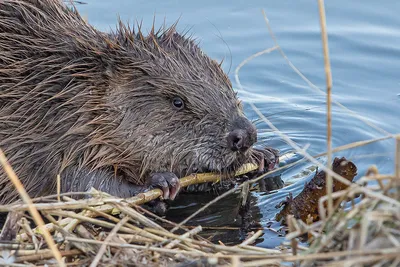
<point x="243" y="136"/>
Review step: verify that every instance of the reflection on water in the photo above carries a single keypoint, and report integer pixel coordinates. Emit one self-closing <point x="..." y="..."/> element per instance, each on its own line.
<point x="363" y="41"/>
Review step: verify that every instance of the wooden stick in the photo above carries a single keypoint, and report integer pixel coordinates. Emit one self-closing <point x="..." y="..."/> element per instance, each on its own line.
<point x="32" y="210"/>
<point x="397" y="158"/>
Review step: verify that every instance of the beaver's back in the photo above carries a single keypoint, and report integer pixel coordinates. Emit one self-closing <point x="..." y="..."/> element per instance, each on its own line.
<point x="45" y="89"/>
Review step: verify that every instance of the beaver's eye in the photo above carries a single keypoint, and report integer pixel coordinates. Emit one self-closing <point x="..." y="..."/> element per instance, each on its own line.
<point x="177" y="102"/>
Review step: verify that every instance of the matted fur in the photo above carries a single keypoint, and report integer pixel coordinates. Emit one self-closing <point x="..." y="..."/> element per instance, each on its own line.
<point x="74" y="97"/>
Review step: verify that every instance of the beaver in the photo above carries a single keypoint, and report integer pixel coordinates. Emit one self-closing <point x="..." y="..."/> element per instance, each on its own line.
<point x="121" y="112"/>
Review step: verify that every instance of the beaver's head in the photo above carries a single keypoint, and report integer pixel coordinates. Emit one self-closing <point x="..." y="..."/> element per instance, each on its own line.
<point x="175" y="106"/>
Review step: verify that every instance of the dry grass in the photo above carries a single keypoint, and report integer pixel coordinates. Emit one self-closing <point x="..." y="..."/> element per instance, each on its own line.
<point x="324" y="35"/>
<point x="107" y="231"/>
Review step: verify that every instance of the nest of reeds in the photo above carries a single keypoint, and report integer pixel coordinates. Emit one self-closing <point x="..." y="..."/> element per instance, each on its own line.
<point x="107" y="231"/>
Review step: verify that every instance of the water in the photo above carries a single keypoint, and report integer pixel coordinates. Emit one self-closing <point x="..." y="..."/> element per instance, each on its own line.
<point x="364" y="52"/>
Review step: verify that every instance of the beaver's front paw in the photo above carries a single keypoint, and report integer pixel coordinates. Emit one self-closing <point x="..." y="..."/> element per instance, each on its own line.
<point x="268" y="158"/>
<point x="168" y="182"/>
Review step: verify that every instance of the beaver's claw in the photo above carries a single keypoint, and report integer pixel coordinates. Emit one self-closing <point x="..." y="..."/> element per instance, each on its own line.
<point x="269" y="158"/>
<point x="168" y="182"/>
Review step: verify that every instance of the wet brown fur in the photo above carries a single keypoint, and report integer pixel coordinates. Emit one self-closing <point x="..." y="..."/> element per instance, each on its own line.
<point x="74" y="99"/>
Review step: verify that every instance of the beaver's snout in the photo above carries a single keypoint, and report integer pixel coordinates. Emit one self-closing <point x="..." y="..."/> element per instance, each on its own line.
<point x="243" y="135"/>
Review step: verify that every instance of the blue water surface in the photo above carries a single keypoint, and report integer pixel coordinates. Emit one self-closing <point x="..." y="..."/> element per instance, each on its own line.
<point x="364" y="38"/>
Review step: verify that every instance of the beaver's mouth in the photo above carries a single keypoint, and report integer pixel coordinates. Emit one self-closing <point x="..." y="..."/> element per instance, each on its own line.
<point x="267" y="159"/>
<point x="224" y="165"/>
<point x="227" y="169"/>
